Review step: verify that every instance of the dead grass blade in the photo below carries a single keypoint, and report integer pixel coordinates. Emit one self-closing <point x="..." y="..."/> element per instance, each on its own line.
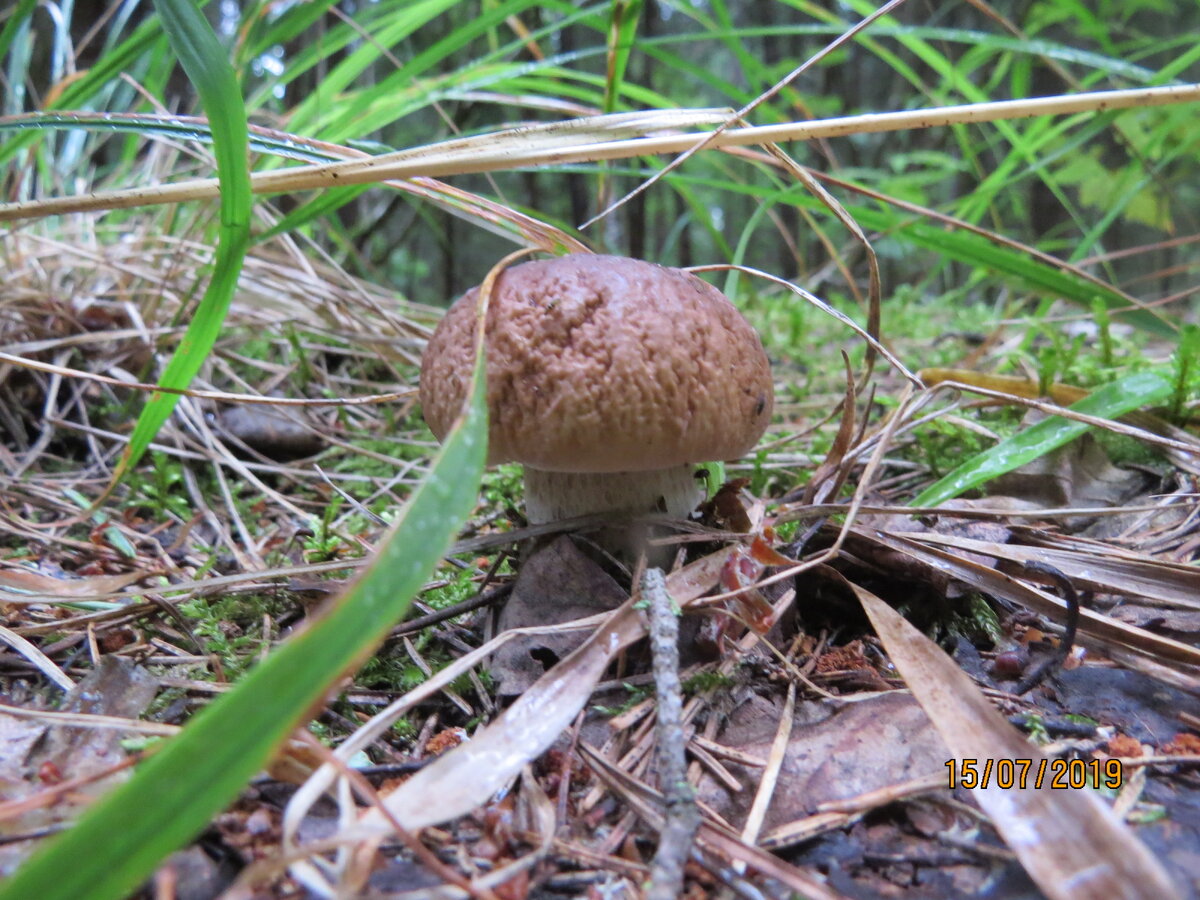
<point x="823" y="485"/>
<point x="40" y="660"/>
<point x="1070" y="842"/>
<point x="460" y="155"/>
<point x="223" y="396"/>
<point x="590" y="139"/>
<point x="1101" y="630"/>
<point x="90" y="720"/>
<point x="833" y="815"/>
<point x="1094" y="567"/>
<point x="465" y="777"/>
<point x="46" y="587"/>
<point x="770" y="776"/>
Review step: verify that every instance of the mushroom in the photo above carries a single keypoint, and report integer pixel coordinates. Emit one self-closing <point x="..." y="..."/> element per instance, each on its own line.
<point x="608" y="378"/>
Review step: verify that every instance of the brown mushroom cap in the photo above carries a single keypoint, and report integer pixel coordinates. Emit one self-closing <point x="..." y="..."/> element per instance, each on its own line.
<point x="604" y="364"/>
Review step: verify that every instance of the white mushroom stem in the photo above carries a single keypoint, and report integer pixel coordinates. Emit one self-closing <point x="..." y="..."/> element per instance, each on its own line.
<point x="551" y="496"/>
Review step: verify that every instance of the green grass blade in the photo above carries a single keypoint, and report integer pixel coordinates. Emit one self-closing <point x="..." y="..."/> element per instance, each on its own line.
<point x="324" y="204"/>
<point x="173" y="795"/>
<point x="976" y="250"/>
<point x="622" y="34"/>
<point x="1108" y="402"/>
<point x="16" y="21"/>
<point x="206" y="64"/>
<point x="390" y="27"/>
<point x="155" y="126"/>
<point x="95" y="81"/>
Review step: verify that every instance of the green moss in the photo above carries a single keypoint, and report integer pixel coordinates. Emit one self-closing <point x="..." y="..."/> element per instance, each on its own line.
<point x="636" y="696"/>
<point x="461" y="586"/>
<point x="393" y="672"/>
<point x="979" y="624"/>
<point x="230" y="626"/>
<point x="404" y="729"/>
<point x="503" y="485"/>
<point x="705" y="682"/>
<point x="786" y="531"/>
<point x="943" y="445"/>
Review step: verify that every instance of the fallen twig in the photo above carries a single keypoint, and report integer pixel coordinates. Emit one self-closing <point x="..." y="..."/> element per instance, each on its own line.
<point x="681" y="816"/>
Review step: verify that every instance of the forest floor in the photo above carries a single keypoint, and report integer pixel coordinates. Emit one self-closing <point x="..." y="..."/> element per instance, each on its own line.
<point x="830" y="749"/>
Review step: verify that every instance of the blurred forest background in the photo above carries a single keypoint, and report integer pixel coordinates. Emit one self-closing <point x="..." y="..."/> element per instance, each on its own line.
<point x="391" y="75"/>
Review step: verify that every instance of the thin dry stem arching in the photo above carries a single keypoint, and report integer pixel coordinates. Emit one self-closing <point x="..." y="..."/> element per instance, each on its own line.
<point x="820" y="304"/>
<point x="522" y="148"/>
<point x="1053" y="409"/>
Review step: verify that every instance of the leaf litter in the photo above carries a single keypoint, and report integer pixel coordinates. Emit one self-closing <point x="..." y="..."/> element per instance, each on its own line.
<point x="848" y="789"/>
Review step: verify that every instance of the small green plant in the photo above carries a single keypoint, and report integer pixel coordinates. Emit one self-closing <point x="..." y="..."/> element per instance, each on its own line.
<point x="390" y="672"/>
<point x="1104" y="331"/>
<point x="1146" y="814"/>
<point x="461" y="586"/>
<point x="112" y="534"/>
<point x="323" y="544"/>
<point x="786" y="531"/>
<point x="714" y="475"/>
<point x="759" y="475"/>
<point x="978" y="623"/>
<point x="1186" y="381"/>
<point x="943" y="445"/>
<point x="404" y="729"/>
<point x="230" y="627"/>
<point x="160" y="487"/>
<point x="1057" y="359"/>
<point x="1037" y="730"/>
<point x="636" y="696"/>
<point x="304" y="371"/>
<point x="140" y="743"/>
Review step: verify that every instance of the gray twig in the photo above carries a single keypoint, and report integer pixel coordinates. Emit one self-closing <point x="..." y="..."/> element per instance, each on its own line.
<point x="681" y="817"/>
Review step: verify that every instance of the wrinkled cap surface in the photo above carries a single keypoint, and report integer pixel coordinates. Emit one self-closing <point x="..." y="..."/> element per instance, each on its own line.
<point x="604" y="364"/>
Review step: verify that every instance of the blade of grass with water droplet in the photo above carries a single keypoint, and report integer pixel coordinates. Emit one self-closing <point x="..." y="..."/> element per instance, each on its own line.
<point x="1109" y="402"/>
<point x="118" y="842"/>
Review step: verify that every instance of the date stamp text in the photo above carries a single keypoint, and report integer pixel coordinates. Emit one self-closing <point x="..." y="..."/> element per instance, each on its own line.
<point x="1057" y="774"/>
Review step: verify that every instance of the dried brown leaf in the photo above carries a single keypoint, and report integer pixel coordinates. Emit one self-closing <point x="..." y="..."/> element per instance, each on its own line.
<point x="25" y="582"/>
<point x="1070" y="842"/>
